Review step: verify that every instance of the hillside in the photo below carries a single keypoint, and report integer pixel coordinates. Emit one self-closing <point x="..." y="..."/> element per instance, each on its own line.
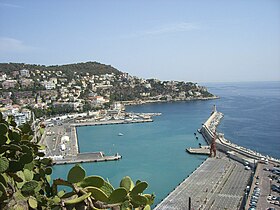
<point x="88" y="67"/>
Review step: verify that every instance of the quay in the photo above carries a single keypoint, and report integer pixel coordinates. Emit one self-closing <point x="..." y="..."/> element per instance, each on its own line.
<point x="86" y="157"/>
<point x="111" y="122"/>
<point x="203" y="150"/>
<point x="224" y="182"/>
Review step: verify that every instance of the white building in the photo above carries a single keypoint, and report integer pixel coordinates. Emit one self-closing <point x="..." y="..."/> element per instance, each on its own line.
<point x="49" y="85"/>
<point x="24" y="73"/>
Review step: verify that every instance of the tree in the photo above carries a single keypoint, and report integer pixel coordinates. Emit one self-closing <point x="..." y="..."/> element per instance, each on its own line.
<point x="25" y="179"/>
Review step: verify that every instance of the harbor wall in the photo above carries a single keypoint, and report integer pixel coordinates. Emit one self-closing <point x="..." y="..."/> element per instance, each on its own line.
<point x="225" y="145"/>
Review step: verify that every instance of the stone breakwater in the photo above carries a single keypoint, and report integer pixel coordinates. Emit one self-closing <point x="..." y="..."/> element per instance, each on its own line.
<point x="208" y="131"/>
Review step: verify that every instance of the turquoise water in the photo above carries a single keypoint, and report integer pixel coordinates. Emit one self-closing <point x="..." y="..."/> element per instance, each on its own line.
<point x="155" y="151"/>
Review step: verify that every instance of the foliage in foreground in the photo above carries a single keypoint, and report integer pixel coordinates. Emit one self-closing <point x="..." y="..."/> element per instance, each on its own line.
<point x="25" y="181"/>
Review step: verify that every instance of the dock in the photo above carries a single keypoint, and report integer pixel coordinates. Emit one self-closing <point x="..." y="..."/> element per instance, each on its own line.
<point x="86" y="157"/>
<point x="204" y="150"/>
<point x="111" y="122"/>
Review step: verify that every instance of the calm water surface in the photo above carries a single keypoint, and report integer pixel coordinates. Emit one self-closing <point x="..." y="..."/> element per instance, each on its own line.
<point x="155" y="151"/>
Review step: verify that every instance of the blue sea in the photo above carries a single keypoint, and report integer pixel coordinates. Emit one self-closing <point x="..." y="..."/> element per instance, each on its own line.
<point x="155" y="151"/>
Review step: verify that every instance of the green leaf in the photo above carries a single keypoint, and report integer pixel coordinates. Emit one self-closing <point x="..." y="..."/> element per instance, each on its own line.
<point x="15" y="147"/>
<point x="147" y="207"/>
<point x="4" y="164"/>
<point x="29" y="187"/>
<point x="94" y="181"/>
<point x="15" y="166"/>
<point x="150" y="197"/>
<point x="32" y="202"/>
<point x="97" y="194"/>
<point x="48" y="171"/>
<point x="26" y="158"/>
<point x="118" y="195"/>
<point x="3" y="129"/>
<point x="61" y="193"/>
<point x="3" y="179"/>
<point x="4" y="193"/>
<point x="77" y="200"/>
<point x="3" y="140"/>
<point x="107" y="188"/>
<point x="76" y="174"/>
<point x="28" y="175"/>
<point x="16" y="136"/>
<point x="26" y="128"/>
<point x="127" y="183"/>
<point x="138" y="200"/>
<point x="139" y="188"/>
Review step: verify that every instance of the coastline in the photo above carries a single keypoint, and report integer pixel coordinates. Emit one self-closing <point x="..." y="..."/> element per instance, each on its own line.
<point x="139" y="102"/>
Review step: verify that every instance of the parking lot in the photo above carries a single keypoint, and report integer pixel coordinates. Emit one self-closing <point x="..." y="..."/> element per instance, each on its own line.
<point x="264" y="193"/>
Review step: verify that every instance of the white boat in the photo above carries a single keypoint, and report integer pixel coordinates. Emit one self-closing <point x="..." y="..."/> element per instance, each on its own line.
<point x="120" y="134"/>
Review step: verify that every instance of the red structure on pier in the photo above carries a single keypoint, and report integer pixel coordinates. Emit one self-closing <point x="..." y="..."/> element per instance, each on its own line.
<point x="213" y="146"/>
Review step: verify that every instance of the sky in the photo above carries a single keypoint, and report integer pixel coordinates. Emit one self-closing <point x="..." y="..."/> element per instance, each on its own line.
<point x="198" y="41"/>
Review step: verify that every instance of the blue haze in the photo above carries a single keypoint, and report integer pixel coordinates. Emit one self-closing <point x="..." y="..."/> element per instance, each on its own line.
<point x="155" y="151"/>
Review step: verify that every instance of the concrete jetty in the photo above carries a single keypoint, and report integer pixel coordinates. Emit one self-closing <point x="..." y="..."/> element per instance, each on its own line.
<point x="111" y="122"/>
<point x="86" y="157"/>
<point x="204" y="150"/>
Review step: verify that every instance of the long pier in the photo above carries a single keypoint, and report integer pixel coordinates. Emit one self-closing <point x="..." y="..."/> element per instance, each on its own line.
<point x="209" y="128"/>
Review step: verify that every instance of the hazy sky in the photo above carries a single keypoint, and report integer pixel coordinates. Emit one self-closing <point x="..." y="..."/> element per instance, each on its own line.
<point x="199" y="41"/>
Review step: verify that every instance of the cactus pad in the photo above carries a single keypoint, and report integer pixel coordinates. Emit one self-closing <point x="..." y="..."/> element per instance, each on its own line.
<point x="97" y="194"/>
<point x="127" y="183"/>
<point x="48" y="171"/>
<point x="4" y="164"/>
<point x="29" y="187"/>
<point x="3" y="193"/>
<point x="139" y="188"/>
<point x="107" y="188"/>
<point x="3" y="129"/>
<point x="118" y="195"/>
<point x="94" y="181"/>
<point x="28" y="175"/>
<point x="32" y="202"/>
<point x="138" y="200"/>
<point x="76" y="174"/>
<point x="150" y="197"/>
<point x="77" y="200"/>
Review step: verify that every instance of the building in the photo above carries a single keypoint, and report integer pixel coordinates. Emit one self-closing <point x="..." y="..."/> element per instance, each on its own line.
<point x="99" y="100"/>
<point x="9" y="84"/>
<point x="24" y="73"/>
<point x="26" y="82"/>
<point x="49" y="85"/>
<point x="3" y="76"/>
